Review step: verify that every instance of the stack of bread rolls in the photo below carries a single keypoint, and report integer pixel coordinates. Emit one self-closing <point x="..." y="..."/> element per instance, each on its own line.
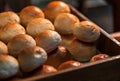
<point x="46" y="40"/>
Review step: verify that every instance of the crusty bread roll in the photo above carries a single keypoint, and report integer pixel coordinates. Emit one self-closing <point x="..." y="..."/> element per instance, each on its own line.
<point x="48" y="40"/>
<point x="3" y="48"/>
<point x="65" y="22"/>
<point x="31" y="58"/>
<point x="30" y="12"/>
<point x="81" y="51"/>
<point x="18" y="43"/>
<point x="8" y="16"/>
<point x="54" y="8"/>
<point x="38" y="25"/>
<point x="69" y="64"/>
<point x="86" y="31"/>
<point x="11" y="29"/>
<point x="99" y="57"/>
<point x="8" y="66"/>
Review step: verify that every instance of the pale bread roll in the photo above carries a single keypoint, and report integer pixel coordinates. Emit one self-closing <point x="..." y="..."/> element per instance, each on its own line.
<point x="38" y="25"/>
<point x="8" y="16"/>
<point x="48" y="40"/>
<point x="10" y="30"/>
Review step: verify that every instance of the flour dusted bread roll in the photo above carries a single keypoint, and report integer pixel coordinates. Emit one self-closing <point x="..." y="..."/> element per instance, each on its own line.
<point x="18" y="43"/>
<point x="30" y="12"/>
<point x="9" y="66"/>
<point x="65" y="22"/>
<point x="81" y="51"/>
<point x="54" y="8"/>
<point x="48" y="40"/>
<point x="38" y="25"/>
<point x="3" y="48"/>
<point x="10" y="30"/>
<point x="86" y="31"/>
<point x="8" y="16"/>
<point x="31" y="58"/>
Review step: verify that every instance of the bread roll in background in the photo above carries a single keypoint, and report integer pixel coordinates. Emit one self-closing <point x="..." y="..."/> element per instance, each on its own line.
<point x="31" y="58"/>
<point x="10" y="30"/>
<point x="86" y="31"/>
<point x="38" y="25"/>
<point x="65" y="22"/>
<point x="116" y="35"/>
<point x="9" y="66"/>
<point x="30" y="12"/>
<point x="19" y="42"/>
<point x="3" y="48"/>
<point x="48" y="40"/>
<point x="69" y="64"/>
<point x="54" y="8"/>
<point x="8" y="16"/>
<point x="81" y="51"/>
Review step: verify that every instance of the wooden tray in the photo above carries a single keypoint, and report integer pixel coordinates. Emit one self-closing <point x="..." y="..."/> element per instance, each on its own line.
<point x="103" y="70"/>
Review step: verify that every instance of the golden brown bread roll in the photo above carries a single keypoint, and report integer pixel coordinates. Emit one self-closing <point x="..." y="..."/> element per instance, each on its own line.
<point x="65" y="22"/>
<point x="48" y="40"/>
<point x="8" y="66"/>
<point x="8" y="16"/>
<point x="58" y="56"/>
<point x="86" y="31"/>
<point x="38" y="25"/>
<point x="99" y="57"/>
<point x="10" y="30"/>
<point x="31" y="58"/>
<point x="30" y="12"/>
<point x="3" y="48"/>
<point x="54" y="8"/>
<point x="18" y="43"/>
<point x="69" y="64"/>
<point x="81" y="51"/>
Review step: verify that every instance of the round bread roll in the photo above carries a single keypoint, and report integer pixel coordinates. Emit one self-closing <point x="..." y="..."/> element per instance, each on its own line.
<point x="30" y="12"/>
<point x="65" y="22"/>
<point x="116" y="35"/>
<point x="99" y="57"/>
<point x="31" y="58"/>
<point x="46" y="69"/>
<point x="54" y="8"/>
<point x="10" y="30"/>
<point x="3" y="48"/>
<point x="38" y="25"/>
<point x="8" y="16"/>
<point x="69" y="64"/>
<point x="19" y="42"/>
<point x="58" y="56"/>
<point x="81" y="51"/>
<point x="86" y="31"/>
<point x="48" y="40"/>
<point x="8" y="66"/>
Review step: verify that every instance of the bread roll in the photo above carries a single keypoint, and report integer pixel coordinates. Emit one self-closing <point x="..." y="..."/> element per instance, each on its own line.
<point x="86" y="31"/>
<point x="8" y="66"/>
<point x="38" y="25"/>
<point x="65" y="22"/>
<point x="48" y="40"/>
<point x="81" y="51"/>
<point x="3" y="48"/>
<point x="8" y="16"/>
<point x="10" y="30"/>
<point x="54" y="8"/>
<point x="31" y="58"/>
<point x="30" y="12"/>
<point x="116" y="35"/>
<point x="69" y="64"/>
<point x="18" y="43"/>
